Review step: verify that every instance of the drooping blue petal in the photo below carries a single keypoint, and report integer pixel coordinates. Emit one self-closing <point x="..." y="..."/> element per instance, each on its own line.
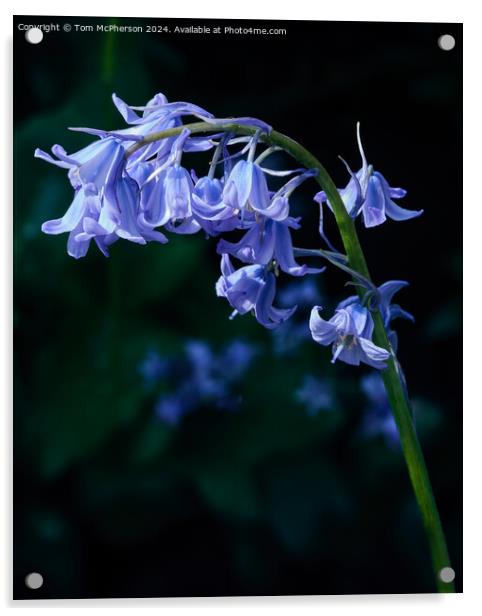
<point x="360" y="321"/>
<point x="266" y="313"/>
<point x="128" y="199"/>
<point x="126" y="112"/>
<point x="207" y="204"/>
<point x="77" y="248"/>
<point x="396" y="193"/>
<point x="178" y="188"/>
<point x="348" y="351"/>
<point x="259" y="195"/>
<point x="155" y="212"/>
<point x="352" y="195"/>
<point x="256" y="246"/>
<point x="374" y="207"/>
<point x="394" y="211"/>
<point x="278" y="207"/>
<point x="244" y="287"/>
<point x="121" y="135"/>
<point x="157" y="106"/>
<point x="283" y="252"/>
<point x="238" y="185"/>
<point x="374" y="355"/>
<point x="199" y="144"/>
<point x="323" y="332"/>
<point x="49" y="159"/>
<point x="388" y="289"/>
<point x="397" y="312"/>
<point x="70" y="219"/>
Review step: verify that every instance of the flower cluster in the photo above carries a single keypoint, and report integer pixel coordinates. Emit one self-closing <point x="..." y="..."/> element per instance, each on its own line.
<point x="131" y="184"/>
<point x="198" y="378"/>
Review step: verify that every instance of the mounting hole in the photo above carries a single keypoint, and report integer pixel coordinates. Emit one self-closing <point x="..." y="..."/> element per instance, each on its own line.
<point x="34" y="35"/>
<point x="446" y="42"/>
<point x="34" y="581"/>
<point x="447" y="575"/>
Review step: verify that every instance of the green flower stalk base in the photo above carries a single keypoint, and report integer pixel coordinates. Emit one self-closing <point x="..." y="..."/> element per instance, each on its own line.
<point x="391" y="375"/>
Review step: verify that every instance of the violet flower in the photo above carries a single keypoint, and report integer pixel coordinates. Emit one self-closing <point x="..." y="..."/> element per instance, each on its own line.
<point x="369" y="193"/>
<point x="251" y="289"/>
<point x="350" y="333"/>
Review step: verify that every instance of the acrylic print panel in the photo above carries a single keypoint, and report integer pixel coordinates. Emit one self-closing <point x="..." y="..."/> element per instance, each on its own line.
<point x="181" y="429"/>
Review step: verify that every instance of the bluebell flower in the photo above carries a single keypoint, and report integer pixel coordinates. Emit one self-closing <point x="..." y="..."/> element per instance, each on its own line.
<point x="81" y="222"/>
<point x="268" y="237"/>
<point x="392" y="311"/>
<point x="106" y="201"/>
<point x="389" y="311"/>
<point x="170" y="197"/>
<point x="209" y="209"/>
<point x="369" y="193"/>
<point x="251" y="289"/>
<point x="266" y="241"/>
<point x="103" y="215"/>
<point x="378" y="417"/>
<point x="246" y="184"/>
<point x="158" y="115"/>
<point x="121" y="211"/>
<point x="167" y="193"/>
<point x="350" y="333"/>
<point x="90" y="165"/>
<point x="315" y="394"/>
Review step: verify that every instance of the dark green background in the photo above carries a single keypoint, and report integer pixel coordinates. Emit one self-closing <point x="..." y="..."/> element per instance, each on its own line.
<point x="110" y="502"/>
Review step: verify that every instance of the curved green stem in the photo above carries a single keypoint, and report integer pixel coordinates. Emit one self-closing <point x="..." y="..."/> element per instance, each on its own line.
<point x="391" y="375"/>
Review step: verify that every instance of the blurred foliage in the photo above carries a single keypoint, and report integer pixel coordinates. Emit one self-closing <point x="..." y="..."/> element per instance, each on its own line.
<point x="110" y="501"/>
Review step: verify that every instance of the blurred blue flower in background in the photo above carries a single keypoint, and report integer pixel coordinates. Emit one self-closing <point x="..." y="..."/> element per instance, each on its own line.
<point x="377" y="415"/>
<point x="315" y="394"/>
<point x="153" y="367"/>
<point x="303" y="293"/>
<point x="199" y="378"/>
